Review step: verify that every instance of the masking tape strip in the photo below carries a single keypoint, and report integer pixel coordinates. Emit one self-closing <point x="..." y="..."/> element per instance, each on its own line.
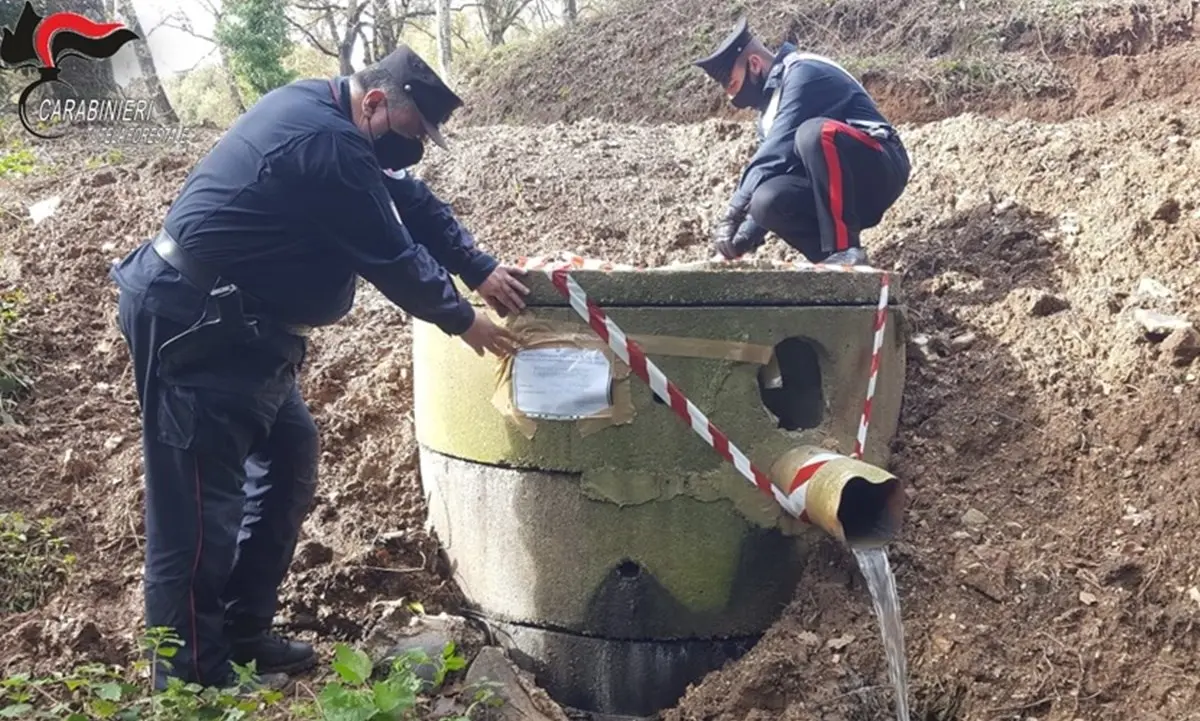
<point x="533" y="332"/>
<point x="704" y="348"/>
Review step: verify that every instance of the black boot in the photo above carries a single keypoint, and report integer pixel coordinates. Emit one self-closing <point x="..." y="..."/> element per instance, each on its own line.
<point x="850" y="256"/>
<point x="258" y="682"/>
<point x="273" y="653"/>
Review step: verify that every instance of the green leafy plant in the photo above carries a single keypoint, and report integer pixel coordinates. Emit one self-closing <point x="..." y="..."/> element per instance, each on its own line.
<point x="355" y="697"/>
<point x="34" y="561"/>
<point x="17" y="159"/>
<point x="96" y="691"/>
<point x="254" y="34"/>
<point x="359" y="692"/>
<point x="484" y="695"/>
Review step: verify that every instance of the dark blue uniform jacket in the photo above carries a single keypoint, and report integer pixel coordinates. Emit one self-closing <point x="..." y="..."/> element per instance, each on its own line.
<point x="808" y="88"/>
<point x="292" y="206"/>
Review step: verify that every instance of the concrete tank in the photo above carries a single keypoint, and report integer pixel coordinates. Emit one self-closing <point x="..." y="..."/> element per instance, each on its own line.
<point x="620" y="558"/>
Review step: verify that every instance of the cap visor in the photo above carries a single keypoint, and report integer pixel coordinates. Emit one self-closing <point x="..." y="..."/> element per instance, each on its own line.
<point x="434" y="134"/>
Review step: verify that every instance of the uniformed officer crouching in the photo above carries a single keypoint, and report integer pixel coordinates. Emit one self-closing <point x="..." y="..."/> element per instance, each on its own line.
<point x="265" y="242"/>
<point x="828" y="163"/>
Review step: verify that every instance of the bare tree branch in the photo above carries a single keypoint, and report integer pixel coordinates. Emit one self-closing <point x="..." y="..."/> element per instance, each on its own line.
<point x="186" y="28"/>
<point x="423" y="31"/>
<point x="316" y="8"/>
<point x="201" y="60"/>
<point x="312" y="38"/>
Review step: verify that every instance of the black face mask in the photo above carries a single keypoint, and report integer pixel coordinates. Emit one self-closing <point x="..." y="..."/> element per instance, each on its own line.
<point x="396" y="152"/>
<point x="751" y="94"/>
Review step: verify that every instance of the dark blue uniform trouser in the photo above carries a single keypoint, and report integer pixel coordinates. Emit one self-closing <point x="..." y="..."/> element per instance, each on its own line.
<point x="849" y="180"/>
<point x="230" y="454"/>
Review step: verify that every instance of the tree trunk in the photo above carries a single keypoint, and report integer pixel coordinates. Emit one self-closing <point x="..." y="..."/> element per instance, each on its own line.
<point x="162" y="103"/>
<point x="235" y="95"/>
<point x="570" y="11"/>
<point x="385" y="29"/>
<point x="493" y="29"/>
<point x="344" y="37"/>
<point x="370" y="48"/>
<point x="443" y="40"/>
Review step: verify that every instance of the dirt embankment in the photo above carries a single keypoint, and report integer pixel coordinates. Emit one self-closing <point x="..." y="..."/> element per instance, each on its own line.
<point x="1049" y="567"/>
<point x="923" y="59"/>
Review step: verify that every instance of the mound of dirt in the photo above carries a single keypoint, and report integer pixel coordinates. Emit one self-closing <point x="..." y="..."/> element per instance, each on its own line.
<point x="923" y="59"/>
<point x="1048" y="567"/>
<point x="1046" y="570"/>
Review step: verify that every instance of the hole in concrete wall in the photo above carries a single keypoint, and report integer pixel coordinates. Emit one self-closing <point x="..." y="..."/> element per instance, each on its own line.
<point x="790" y="386"/>
<point x="629" y="569"/>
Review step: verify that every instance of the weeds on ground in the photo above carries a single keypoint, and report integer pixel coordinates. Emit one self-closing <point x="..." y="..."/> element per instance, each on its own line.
<point x="13" y="380"/>
<point x="17" y="159"/>
<point x="33" y="562"/>
<point x="112" y="157"/>
<point x="360" y="692"/>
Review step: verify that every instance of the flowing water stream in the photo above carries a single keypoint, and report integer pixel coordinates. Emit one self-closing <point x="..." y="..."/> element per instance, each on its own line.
<point x="878" y="572"/>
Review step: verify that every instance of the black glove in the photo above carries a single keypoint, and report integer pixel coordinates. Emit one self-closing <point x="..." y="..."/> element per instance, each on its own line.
<point x="724" y="231"/>
<point x="733" y="237"/>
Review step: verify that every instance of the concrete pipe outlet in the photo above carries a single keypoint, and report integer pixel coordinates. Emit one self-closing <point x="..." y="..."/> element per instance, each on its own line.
<point x="614" y="554"/>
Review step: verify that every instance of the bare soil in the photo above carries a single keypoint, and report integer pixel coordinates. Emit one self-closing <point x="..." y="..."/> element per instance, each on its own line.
<point x="923" y="59"/>
<point x="1049" y="567"/>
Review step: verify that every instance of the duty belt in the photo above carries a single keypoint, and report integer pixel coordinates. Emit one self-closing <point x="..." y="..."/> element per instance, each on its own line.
<point x="874" y="128"/>
<point x="202" y="277"/>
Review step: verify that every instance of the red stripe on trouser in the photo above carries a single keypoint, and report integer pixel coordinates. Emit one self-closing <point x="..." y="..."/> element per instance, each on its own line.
<point x="833" y="164"/>
<point x="195" y="570"/>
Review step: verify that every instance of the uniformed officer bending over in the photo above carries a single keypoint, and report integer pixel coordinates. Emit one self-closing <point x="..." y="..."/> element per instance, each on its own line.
<point x="265" y="241"/>
<point x="828" y="164"/>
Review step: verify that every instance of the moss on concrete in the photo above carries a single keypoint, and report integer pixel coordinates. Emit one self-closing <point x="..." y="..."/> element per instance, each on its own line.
<point x="532" y="547"/>
<point x="657" y="456"/>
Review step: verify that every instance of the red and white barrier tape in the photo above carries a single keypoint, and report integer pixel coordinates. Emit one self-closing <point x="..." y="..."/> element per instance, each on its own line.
<point x="880" y="325"/>
<point x="644" y="368"/>
<point x="794" y="501"/>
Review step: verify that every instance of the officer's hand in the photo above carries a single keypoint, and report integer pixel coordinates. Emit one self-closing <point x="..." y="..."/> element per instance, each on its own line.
<point x="484" y="335"/>
<point x="503" y="291"/>
<point x="723" y="232"/>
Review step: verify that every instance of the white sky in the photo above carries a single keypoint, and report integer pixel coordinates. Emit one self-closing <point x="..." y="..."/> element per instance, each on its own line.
<point x="174" y="50"/>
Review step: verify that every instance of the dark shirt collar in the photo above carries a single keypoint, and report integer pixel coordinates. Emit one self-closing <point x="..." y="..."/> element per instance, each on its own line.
<point x="340" y="87"/>
<point x="775" y="74"/>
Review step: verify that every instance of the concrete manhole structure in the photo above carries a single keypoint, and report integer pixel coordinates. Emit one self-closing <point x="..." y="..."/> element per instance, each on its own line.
<point x="610" y="550"/>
